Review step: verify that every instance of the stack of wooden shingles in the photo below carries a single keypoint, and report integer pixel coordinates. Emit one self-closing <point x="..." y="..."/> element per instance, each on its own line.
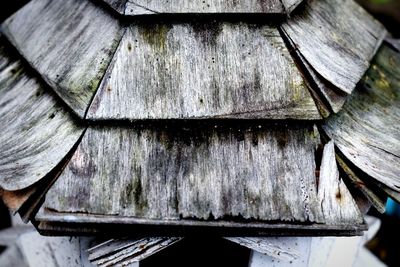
<point x="197" y="117"/>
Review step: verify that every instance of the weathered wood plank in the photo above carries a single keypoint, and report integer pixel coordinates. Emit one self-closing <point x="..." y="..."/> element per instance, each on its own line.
<point x="194" y="173"/>
<point x="327" y="96"/>
<point x="338" y="39"/>
<point x="36" y="131"/>
<point x="168" y="176"/>
<point x="373" y="196"/>
<point x="300" y="244"/>
<point x="367" y="131"/>
<point x="334" y="97"/>
<point x="131" y="251"/>
<point x="147" y="7"/>
<point x="337" y="204"/>
<point x="202" y="70"/>
<point x="70" y="43"/>
<point x="280" y="248"/>
<point x="55" y="223"/>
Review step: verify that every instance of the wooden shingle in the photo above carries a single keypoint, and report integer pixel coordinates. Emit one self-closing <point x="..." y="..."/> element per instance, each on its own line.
<point x="337" y="38"/>
<point x="203" y="70"/>
<point x="36" y="132"/>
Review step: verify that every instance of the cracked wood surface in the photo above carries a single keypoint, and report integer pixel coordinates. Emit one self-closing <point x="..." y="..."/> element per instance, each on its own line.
<point x="183" y="174"/>
<point x="337" y="204"/>
<point x="202" y="70"/>
<point x="337" y="38"/>
<point x="367" y="130"/>
<point x="148" y="7"/>
<point x="123" y="252"/>
<point x="36" y="131"/>
<point x="70" y="43"/>
<point x="202" y="172"/>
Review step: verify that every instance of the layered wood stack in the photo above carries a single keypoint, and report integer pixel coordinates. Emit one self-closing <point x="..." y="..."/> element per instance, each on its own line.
<point x="197" y="117"/>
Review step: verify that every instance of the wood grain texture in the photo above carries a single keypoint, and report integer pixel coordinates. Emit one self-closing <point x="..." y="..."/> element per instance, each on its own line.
<point x="333" y="97"/>
<point x="367" y="131"/>
<point x="279" y="248"/>
<point x="70" y="43"/>
<point x="36" y="132"/>
<point x="202" y="70"/>
<point x="123" y="252"/>
<point x="337" y="204"/>
<point x="327" y="97"/>
<point x="148" y="7"/>
<point x="372" y="195"/>
<point x="200" y="173"/>
<point x="169" y="176"/>
<point x="338" y="38"/>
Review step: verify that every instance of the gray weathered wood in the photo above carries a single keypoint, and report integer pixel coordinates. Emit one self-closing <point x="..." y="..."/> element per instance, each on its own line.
<point x="367" y="131"/>
<point x="169" y="176"/>
<point x="70" y="43"/>
<point x="36" y="131"/>
<point x="281" y="248"/>
<point x="196" y="70"/>
<point x="193" y="173"/>
<point x="147" y="7"/>
<point x="372" y="195"/>
<point x="326" y="90"/>
<point x="338" y="39"/>
<point x="327" y="97"/>
<point x="126" y="252"/>
<point x="337" y="204"/>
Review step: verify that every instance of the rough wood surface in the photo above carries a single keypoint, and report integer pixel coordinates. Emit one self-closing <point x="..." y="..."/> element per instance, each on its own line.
<point x="197" y="70"/>
<point x="367" y="131"/>
<point x="281" y="248"/>
<point x="367" y="190"/>
<point x="198" y="173"/>
<point x="337" y="204"/>
<point x="36" y="131"/>
<point x="124" y="252"/>
<point x="70" y="43"/>
<point x="327" y="97"/>
<point x="338" y="39"/>
<point x="168" y="176"/>
<point x="334" y="97"/>
<point x="147" y="7"/>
